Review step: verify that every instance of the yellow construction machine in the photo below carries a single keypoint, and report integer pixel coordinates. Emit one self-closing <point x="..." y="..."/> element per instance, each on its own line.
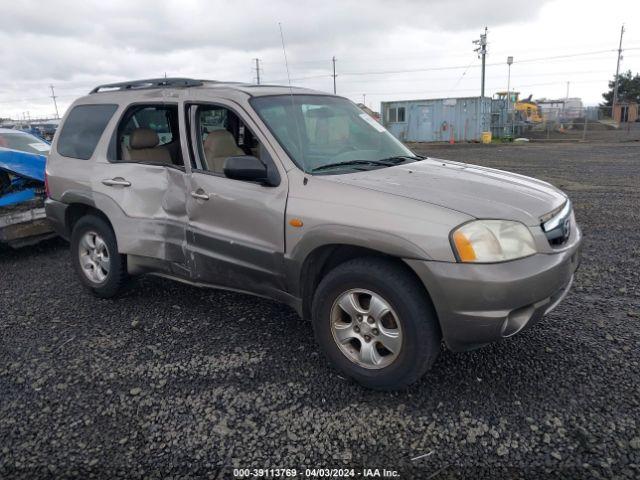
<point x="527" y="109"/>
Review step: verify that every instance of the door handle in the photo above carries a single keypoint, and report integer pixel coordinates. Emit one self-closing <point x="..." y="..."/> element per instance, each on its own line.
<point x="200" y="194"/>
<point x="116" y="182"/>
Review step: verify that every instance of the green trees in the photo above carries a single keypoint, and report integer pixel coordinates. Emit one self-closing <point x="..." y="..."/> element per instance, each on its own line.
<point x="628" y="89"/>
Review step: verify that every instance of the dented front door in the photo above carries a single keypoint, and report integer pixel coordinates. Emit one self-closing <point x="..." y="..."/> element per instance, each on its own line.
<point x="235" y="233"/>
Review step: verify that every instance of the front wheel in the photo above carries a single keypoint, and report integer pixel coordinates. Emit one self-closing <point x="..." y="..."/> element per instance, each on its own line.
<point x="375" y="323"/>
<point x="95" y="257"/>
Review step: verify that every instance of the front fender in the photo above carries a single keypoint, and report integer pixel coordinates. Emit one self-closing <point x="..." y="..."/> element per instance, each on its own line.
<point x="342" y="235"/>
<point x="328" y="234"/>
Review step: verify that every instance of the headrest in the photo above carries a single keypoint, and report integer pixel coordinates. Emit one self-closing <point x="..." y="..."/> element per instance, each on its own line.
<point x="220" y="143"/>
<point x="143" y="138"/>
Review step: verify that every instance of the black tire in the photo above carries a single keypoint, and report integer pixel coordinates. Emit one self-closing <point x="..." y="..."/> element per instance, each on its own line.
<point x="419" y="323"/>
<point x="117" y="277"/>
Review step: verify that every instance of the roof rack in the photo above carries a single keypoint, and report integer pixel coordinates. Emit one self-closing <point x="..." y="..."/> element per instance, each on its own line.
<point x="146" y="84"/>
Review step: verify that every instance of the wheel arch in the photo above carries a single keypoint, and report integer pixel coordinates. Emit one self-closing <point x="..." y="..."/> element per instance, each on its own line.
<point x="321" y="260"/>
<point x="75" y="211"/>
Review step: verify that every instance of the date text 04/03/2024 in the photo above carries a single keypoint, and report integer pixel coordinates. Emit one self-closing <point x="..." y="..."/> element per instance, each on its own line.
<point x="314" y="473"/>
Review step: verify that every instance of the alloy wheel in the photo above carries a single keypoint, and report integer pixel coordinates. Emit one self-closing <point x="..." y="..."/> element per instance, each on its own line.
<point x="94" y="257"/>
<point x="366" y="328"/>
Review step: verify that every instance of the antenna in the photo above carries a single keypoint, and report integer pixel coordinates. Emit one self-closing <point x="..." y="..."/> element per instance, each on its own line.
<point x="286" y="63"/>
<point x="293" y="105"/>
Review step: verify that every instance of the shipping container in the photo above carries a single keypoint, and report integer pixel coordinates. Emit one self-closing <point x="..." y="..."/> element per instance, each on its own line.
<point x="438" y="120"/>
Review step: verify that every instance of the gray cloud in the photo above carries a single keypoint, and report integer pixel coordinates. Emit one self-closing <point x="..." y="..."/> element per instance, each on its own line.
<point x="78" y="44"/>
<point x="152" y="25"/>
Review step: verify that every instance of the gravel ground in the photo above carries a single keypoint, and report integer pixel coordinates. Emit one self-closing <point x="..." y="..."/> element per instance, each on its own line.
<point x="175" y="381"/>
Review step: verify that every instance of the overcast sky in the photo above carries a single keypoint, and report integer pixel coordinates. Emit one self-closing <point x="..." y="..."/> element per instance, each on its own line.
<point x="426" y="45"/>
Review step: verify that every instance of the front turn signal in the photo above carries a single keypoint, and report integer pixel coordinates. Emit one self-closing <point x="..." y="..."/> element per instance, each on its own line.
<point x="296" y="222"/>
<point x="464" y="248"/>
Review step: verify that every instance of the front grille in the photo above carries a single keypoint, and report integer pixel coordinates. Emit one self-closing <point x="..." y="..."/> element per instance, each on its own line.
<point x="558" y="227"/>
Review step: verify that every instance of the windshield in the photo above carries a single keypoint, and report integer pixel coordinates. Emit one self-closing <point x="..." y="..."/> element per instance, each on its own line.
<point x="321" y="132"/>
<point x="24" y="142"/>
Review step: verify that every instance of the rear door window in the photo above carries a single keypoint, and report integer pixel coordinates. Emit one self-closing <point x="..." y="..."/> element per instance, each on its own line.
<point x="155" y="118"/>
<point x="149" y="134"/>
<point x="82" y="130"/>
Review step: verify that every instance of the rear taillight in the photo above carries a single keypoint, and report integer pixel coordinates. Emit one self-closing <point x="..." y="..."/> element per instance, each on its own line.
<point x="46" y="185"/>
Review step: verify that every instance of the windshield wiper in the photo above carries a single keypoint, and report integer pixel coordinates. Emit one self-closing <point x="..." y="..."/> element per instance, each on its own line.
<point x="384" y="162"/>
<point x="401" y="158"/>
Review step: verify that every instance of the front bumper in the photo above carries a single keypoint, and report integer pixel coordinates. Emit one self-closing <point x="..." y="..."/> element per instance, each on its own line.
<point x="481" y="303"/>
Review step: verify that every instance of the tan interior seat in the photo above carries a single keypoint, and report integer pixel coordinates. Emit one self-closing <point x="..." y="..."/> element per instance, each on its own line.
<point x="219" y="145"/>
<point x="143" y="147"/>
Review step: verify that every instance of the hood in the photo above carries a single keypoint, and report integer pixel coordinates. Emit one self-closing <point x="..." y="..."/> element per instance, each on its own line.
<point x="23" y="164"/>
<point x="477" y="191"/>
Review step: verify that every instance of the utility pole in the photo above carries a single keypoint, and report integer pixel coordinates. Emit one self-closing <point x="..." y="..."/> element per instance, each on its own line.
<point x="509" y="63"/>
<point x="364" y="99"/>
<point x="615" y="88"/>
<point x="482" y="53"/>
<point x="566" y="99"/>
<point x="257" y="60"/>
<point x="509" y="116"/>
<point x="333" y="60"/>
<point x="55" y="104"/>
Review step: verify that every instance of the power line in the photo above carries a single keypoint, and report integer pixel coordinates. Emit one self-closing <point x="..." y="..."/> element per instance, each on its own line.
<point x="459" y="78"/>
<point x="437" y="54"/>
<point x="460" y="67"/>
<point x="329" y="74"/>
<point x="462" y="76"/>
<point x="367" y="59"/>
<point x="468" y="89"/>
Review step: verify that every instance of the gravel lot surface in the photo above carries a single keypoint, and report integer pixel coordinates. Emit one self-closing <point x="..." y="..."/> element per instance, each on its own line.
<point x="175" y="381"/>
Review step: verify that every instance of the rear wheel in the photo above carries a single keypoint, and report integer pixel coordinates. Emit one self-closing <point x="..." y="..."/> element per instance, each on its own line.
<point x="375" y="323"/>
<point x="95" y="257"/>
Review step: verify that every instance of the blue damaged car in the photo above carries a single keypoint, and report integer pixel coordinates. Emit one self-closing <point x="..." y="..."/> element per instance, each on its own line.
<point x="22" y="188"/>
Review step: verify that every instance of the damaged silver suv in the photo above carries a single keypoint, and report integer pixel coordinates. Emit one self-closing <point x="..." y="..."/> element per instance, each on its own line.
<point x="302" y="197"/>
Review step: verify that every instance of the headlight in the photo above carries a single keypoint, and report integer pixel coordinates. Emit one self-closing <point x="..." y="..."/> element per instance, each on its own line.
<point x="488" y="241"/>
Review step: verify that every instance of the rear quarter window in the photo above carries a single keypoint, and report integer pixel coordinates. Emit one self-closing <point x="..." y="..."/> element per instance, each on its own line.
<point x="82" y="130"/>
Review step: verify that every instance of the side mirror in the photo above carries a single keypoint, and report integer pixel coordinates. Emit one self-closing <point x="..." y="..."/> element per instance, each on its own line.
<point x="245" y="167"/>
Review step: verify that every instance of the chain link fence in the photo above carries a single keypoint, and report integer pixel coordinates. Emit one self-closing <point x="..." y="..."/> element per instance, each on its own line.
<point x="570" y="124"/>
